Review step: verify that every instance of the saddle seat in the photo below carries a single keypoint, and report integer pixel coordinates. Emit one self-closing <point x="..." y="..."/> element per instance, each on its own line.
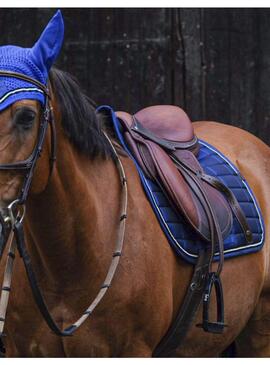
<point x="166" y="125"/>
<point x="157" y="137"/>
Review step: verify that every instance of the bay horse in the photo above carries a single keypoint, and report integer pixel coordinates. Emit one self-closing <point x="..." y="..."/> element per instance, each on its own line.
<point x="71" y="225"/>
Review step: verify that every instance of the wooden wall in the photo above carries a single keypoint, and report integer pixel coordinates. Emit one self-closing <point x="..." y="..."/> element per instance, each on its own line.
<point x="215" y="63"/>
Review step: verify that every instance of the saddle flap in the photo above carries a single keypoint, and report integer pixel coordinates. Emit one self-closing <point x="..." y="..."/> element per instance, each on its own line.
<point x="184" y="194"/>
<point x="156" y="163"/>
<point x="171" y="180"/>
<point x="215" y="198"/>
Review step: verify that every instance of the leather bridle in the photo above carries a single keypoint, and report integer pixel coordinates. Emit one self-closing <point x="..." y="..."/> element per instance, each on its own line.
<point x="47" y="118"/>
<point x="13" y="222"/>
<point x="27" y="166"/>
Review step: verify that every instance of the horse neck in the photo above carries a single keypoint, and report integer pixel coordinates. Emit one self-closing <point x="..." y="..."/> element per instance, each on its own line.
<point x="72" y="225"/>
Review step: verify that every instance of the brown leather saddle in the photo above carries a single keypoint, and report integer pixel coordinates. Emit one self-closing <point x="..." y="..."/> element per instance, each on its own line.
<point x="161" y="139"/>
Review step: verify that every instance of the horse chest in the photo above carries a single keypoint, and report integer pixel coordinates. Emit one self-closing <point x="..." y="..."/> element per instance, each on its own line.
<point x="28" y="335"/>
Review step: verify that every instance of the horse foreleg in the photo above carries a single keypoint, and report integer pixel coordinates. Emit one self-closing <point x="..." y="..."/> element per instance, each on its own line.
<point x="254" y="340"/>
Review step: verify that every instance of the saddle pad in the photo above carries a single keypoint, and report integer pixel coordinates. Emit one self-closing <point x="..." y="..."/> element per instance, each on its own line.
<point x="182" y="238"/>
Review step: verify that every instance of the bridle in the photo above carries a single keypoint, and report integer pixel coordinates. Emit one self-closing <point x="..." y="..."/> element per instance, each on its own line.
<point x="12" y="222"/>
<point x="47" y="118"/>
<point x="27" y="166"/>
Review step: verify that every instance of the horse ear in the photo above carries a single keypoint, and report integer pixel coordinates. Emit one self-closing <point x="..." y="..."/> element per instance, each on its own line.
<point x="48" y="46"/>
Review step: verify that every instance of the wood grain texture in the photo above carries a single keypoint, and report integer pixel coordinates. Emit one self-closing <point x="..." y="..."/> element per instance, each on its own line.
<point x="215" y="63"/>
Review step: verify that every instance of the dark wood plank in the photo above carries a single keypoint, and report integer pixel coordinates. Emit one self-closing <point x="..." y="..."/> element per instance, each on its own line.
<point x="188" y="29"/>
<point x="261" y="123"/>
<point x="243" y="62"/>
<point x="15" y="27"/>
<point x="212" y="62"/>
<point x="216" y="45"/>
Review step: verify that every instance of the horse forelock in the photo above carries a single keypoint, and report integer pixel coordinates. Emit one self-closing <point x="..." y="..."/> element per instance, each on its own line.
<point x="81" y="124"/>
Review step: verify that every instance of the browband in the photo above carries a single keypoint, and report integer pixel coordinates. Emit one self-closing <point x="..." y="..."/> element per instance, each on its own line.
<point x="23" y="77"/>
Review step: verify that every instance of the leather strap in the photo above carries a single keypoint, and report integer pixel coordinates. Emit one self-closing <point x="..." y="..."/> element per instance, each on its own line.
<point x="169" y="145"/>
<point x="6" y="73"/>
<point x="6" y="284"/>
<point x="192" y="300"/>
<point x="38" y="297"/>
<point x="2" y="348"/>
<point x="186" y="315"/>
<point x="199" y="283"/>
<point x="17" y="227"/>
<point x="216" y="236"/>
<point x="233" y="202"/>
<point x="19" y="236"/>
<point x="29" y="164"/>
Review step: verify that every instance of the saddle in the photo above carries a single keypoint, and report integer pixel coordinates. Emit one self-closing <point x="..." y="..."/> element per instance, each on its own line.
<point x="162" y="141"/>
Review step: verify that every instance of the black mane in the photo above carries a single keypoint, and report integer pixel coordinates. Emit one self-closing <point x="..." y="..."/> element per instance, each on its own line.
<point x="81" y="124"/>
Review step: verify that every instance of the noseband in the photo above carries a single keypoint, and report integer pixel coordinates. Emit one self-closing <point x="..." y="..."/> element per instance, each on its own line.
<point x="12" y="222"/>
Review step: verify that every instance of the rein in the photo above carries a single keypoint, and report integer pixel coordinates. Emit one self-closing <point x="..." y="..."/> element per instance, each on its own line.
<point x="13" y="221"/>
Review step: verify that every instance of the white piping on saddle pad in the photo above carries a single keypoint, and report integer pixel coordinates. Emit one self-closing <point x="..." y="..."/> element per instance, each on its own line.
<point x="239" y="248"/>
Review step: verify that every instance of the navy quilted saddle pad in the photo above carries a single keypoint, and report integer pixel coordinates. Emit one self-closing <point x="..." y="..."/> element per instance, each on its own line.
<point x="183" y="239"/>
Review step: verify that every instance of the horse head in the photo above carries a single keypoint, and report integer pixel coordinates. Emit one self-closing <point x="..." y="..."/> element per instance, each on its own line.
<point x="25" y="112"/>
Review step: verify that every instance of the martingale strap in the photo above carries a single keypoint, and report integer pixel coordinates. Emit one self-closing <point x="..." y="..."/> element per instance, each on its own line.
<point x="15" y="220"/>
<point x="20" y="243"/>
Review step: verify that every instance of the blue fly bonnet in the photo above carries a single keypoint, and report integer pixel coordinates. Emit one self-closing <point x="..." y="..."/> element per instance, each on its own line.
<point x="34" y="62"/>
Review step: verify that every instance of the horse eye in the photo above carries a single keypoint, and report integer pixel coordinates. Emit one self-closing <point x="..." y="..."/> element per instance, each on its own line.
<point x="25" y="117"/>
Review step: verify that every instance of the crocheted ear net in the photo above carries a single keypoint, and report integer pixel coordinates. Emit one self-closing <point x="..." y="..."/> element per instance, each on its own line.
<point x="34" y="62"/>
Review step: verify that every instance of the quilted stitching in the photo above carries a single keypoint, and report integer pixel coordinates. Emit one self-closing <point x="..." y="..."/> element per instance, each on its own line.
<point x="182" y="238"/>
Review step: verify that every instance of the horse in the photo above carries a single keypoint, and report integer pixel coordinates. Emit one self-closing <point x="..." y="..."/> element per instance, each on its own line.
<point x="71" y="226"/>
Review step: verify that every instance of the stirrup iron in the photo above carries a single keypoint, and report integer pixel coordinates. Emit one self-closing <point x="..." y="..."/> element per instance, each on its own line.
<point x="208" y="326"/>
